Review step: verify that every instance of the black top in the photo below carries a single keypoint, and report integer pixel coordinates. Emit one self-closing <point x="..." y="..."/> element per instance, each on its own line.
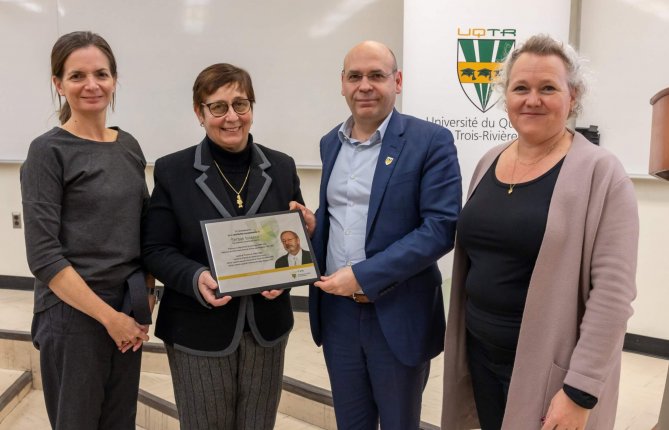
<point x="82" y="203"/>
<point x="235" y="166"/>
<point x="501" y="234"/>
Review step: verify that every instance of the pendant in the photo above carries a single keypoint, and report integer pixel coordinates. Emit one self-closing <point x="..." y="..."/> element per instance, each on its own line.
<point x="240" y="202"/>
<point x="510" y="190"/>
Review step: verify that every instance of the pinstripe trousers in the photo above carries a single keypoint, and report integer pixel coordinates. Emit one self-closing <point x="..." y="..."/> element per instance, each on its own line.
<point x="239" y="391"/>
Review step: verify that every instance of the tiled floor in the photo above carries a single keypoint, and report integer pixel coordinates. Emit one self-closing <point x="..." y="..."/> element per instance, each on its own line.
<point x="28" y="415"/>
<point x="31" y="415"/>
<point x="641" y="388"/>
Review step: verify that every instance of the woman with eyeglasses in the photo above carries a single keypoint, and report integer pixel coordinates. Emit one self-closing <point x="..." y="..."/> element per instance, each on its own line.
<point x="225" y="354"/>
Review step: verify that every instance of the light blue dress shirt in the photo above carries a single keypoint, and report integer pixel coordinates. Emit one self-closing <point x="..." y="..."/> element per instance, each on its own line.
<point x="348" y="195"/>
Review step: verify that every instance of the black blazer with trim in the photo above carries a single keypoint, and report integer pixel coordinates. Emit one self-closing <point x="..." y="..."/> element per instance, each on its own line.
<point x="188" y="189"/>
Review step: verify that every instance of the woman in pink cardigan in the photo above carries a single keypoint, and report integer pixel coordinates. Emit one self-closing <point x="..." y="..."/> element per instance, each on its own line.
<point x="545" y="262"/>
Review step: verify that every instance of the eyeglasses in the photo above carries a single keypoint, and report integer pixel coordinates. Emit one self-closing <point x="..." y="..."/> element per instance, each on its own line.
<point x="219" y="109"/>
<point x="374" y="77"/>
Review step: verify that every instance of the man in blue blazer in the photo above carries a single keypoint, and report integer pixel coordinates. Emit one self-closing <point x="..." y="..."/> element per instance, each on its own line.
<point x="389" y="199"/>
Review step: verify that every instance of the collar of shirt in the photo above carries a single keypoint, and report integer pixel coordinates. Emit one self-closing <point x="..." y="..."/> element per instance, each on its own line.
<point x="296" y="259"/>
<point x="346" y="128"/>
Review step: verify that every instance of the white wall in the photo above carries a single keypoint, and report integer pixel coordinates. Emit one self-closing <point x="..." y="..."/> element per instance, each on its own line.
<point x="652" y="276"/>
<point x="651" y="304"/>
<point x="12" y="246"/>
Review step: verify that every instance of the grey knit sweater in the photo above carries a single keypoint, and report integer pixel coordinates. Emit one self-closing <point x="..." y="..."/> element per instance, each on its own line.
<point x="82" y="205"/>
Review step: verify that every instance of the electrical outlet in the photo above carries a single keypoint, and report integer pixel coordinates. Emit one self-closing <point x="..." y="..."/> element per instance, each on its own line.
<point x="16" y="219"/>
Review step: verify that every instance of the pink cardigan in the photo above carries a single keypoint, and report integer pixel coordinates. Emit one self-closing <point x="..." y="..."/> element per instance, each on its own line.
<point x="578" y="303"/>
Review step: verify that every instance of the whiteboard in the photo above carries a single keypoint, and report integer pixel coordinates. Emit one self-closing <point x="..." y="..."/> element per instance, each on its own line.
<point x="625" y="42"/>
<point x="293" y="50"/>
<point x="27" y="33"/>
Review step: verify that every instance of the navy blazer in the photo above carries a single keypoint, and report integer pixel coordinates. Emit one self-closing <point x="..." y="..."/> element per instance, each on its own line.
<point x="189" y="189"/>
<point x="414" y="204"/>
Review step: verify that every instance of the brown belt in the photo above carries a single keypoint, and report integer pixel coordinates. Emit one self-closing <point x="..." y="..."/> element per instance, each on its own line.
<point x="359" y="298"/>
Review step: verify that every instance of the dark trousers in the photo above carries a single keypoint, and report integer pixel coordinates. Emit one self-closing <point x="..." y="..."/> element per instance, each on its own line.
<point x="88" y="383"/>
<point x="239" y="391"/>
<point x="490" y="368"/>
<point x="368" y="383"/>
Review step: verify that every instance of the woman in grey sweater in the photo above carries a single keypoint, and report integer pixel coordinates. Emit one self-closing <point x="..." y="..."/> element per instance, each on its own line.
<point x="83" y="191"/>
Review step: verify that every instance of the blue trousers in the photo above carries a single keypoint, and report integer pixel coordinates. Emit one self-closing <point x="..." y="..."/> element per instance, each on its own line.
<point x="369" y="384"/>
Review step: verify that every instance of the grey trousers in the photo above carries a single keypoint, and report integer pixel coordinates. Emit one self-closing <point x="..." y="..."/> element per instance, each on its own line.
<point x="88" y="383"/>
<point x="239" y="391"/>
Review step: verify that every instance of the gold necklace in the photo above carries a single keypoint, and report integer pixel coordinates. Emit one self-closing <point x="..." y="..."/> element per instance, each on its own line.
<point x="240" y="202"/>
<point x="515" y="163"/>
<point x="513" y="184"/>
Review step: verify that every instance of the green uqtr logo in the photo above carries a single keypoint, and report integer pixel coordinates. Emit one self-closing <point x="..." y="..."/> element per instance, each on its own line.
<point x="479" y="61"/>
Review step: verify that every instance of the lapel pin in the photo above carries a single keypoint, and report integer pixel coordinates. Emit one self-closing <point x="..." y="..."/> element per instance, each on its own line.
<point x="389" y="160"/>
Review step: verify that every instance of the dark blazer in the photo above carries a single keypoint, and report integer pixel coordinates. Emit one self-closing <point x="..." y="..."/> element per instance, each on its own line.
<point x="188" y="189"/>
<point x="283" y="260"/>
<point x="414" y="204"/>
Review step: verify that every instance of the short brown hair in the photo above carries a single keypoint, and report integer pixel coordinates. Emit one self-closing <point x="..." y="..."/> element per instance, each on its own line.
<point x="66" y="45"/>
<point x="219" y="75"/>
